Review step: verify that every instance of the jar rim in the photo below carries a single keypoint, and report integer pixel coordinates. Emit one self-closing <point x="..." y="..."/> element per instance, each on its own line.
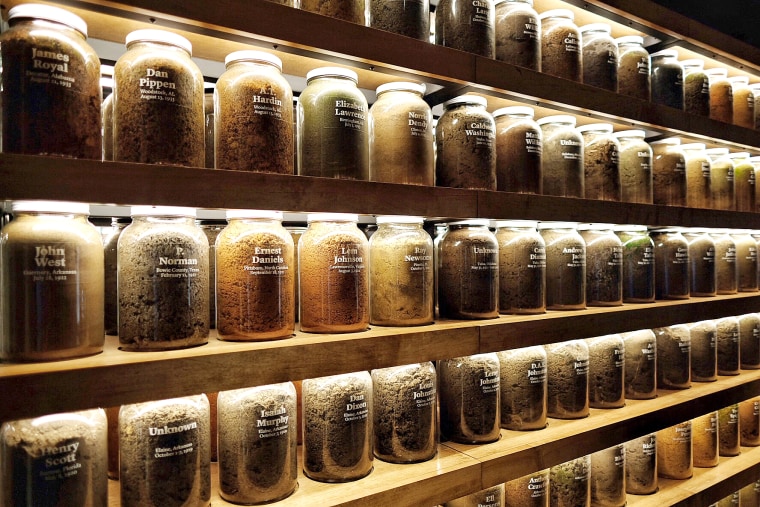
<point x="558" y="13"/>
<point x="339" y="72"/>
<point x="630" y="39"/>
<point x="478" y="222"/>
<point x="596" y="27"/>
<point x="254" y="213"/>
<point x="466" y="99"/>
<point x="49" y="13"/>
<point x="523" y="110"/>
<point x="630" y="133"/>
<point x="693" y="62"/>
<point x="523" y="224"/>
<point x="629" y="227"/>
<point x="401" y="86"/>
<point x="717" y="151"/>
<point x="666" y="53"/>
<point x="161" y="36"/>
<point x="739" y="154"/>
<point x="671" y="141"/>
<point x="399" y="219"/>
<point x="529" y="2"/>
<point x="606" y="128"/>
<point x="332" y="217"/>
<point x="717" y="72"/>
<point x="595" y="226"/>
<point x="166" y="211"/>
<point x="253" y="56"/>
<point x="557" y="225"/>
<point x="739" y="79"/>
<point x="557" y="118"/>
<point x="693" y="146"/>
<point x="77" y="208"/>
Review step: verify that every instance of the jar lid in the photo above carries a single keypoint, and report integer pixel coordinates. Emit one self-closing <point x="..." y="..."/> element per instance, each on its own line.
<point x="77" y="208"/>
<point x="339" y="72"/>
<point x="666" y="53"/>
<point x="521" y="224"/>
<point x="466" y="99"/>
<point x="162" y="211"/>
<point x="254" y="213"/>
<point x="398" y="219"/>
<point x="693" y="63"/>
<point x="557" y="225"/>
<point x="163" y="36"/>
<point x="695" y="230"/>
<point x="740" y="80"/>
<point x="693" y="146"/>
<point x="739" y="232"/>
<point x="401" y="86"/>
<point x="739" y="154"/>
<point x="518" y="110"/>
<point x="596" y="27"/>
<point x="630" y="133"/>
<point x="478" y="222"/>
<point x="253" y="56"/>
<point x="629" y="228"/>
<point x="595" y="227"/>
<point x="605" y="128"/>
<point x="754" y="160"/>
<point x="557" y="13"/>
<point x="558" y="118"/>
<point x="529" y="2"/>
<point x="671" y="141"/>
<point x="718" y="72"/>
<point x="332" y="217"/>
<point x="717" y="152"/>
<point x="49" y="13"/>
<point x="630" y="39"/>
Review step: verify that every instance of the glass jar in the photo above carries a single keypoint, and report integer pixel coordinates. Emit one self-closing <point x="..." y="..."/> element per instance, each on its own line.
<point x="721" y="100"/>
<point x="671" y="254"/>
<point x="667" y="79"/>
<point x="749" y="422"/>
<point x="606" y="371"/>
<point x="729" y="433"/>
<point x="332" y="269"/>
<point x="561" y="45"/>
<point x="726" y="268"/>
<point x="333" y="132"/>
<point x="742" y="102"/>
<point x="640" y="364"/>
<point x="608" y="477"/>
<point x="635" y="167"/>
<point x="467" y="26"/>
<point x="698" y="178"/>
<point x="469" y="398"/>
<point x="744" y="181"/>
<point x="570" y="483"/>
<point x="604" y="265"/>
<point x="468" y="271"/>
<point x="106" y="111"/>
<point x="755" y="88"/>
<point x="208" y="126"/>
<point x="493" y="496"/>
<point x="562" y="157"/>
<point x="673" y="357"/>
<point x="211" y="228"/>
<point x="704" y="440"/>
<point x="163" y="279"/>
<point x="255" y="277"/>
<point x="722" y="184"/>
<point x="728" y="345"/>
<point x="523" y="403"/>
<point x="405" y="410"/>
<point x="518" y="149"/>
<point x="158" y="115"/>
<point x="600" y="56"/>
<point x="669" y="172"/>
<point x="638" y="263"/>
<point x="522" y="267"/>
<point x="257" y="431"/>
<point x="51" y="95"/>
<point x="253" y="117"/>
<point x="702" y="274"/>
<point x="749" y="340"/>
<point x="601" y="158"/>
<point x="568" y="379"/>
<point x="401" y="273"/>
<point x="633" y="67"/>
<point x="347" y="10"/>
<point x="51" y="270"/>
<point x="674" y="452"/>
<point x="407" y="17"/>
<point x="530" y="490"/>
<point x="746" y="260"/>
<point x="401" y="136"/>
<point x="704" y="351"/>
<point x="641" y="465"/>
<point x="755" y="161"/>
<point x="110" y="287"/>
<point x="565" y="266"/>
<point x="518" y="33"/>
<point x="696" y="88"/>
<point x="465" y="145"/>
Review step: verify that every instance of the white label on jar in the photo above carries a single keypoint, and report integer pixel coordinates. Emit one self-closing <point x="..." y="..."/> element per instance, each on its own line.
<point x="612" y="58"/>
<point x="348" y="260"/>
<point x="713" y="427"/>
<point x="647" y="256"/>
<point x="531" y="28"/>
<point x="572" y="44"/>
<point x="51" y="263"/>
<point x="581" y="367"/>
<point x="756" y="408"/>
<point x="680" y="168"/>
<point x="730" y="255"/>
<point x="424" y="395"/>
<point x="273" y="423"/>
<point x="533" y="142"/>
<point x="616" y="259"/>
<point x="649" y="352"/>
<point x="59" y="462"/>
<point x="619" y="458"/>
<point x="752" y="254"/>
<point x="482" y="132"/>
<point x="649" y="448"/>
<point x="685" y="346"/>
<point x="356" y="408"/>
<point x="419" y="259"/>
<point x="484" y="259"/>
<point x="733" y="415"/>
<point x="730" y="174"/>
<point x="176" y="265"/>
<point x="158" y="85"/>
<point x="481" y="12"/>
<point x="751" y="102"/>
<point x="177" y="440"/>
<point x="576" y="257"/>
<point x="706" y="170"/>
<point x="537" y="486"/>
<point x="619" y="357"/>
<point x="490" y="501"/>
<point x="50" y="67"/>
<point x="537" y="372"/>
<point x="351" y="114"/>
<point x="643" y="65"/>
<point x="734" y="336"/>
<point x="267" y="104"/>
<point x="571" y="149"/>
<point x="751" y="178"/>
<point x="267" y="261"/>
<point x="537" y="257"/>
<point x="681" y="255"/>
<point x="709" y="256"/>
<point x="418" y="124"/>
<point x="489" y="383"/>
<point x="682" y="434"/>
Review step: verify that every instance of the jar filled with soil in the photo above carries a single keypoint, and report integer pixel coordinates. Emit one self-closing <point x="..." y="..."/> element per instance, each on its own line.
<point x="608" y="477"/>
<point x="728" y="345"/>
<point x="721" y="99"/>
<point x="211" y="228"/>
<point x="565" y="266"/>
<point x="601" y="162"/>
<point x="674" y="452"/>
<point x="255" y="277"/>
<point x="405" y="413"/>
<point x="731" y="500"/>
<point x="750" y="494"/>
<point x="755" y="88"/>
<point x="702" y="275"/>
<point x="749" y="341"/>
<point x="669" y="172"/>
<point x="337" y="427"/>
<point x="742" y="102"/>
<point x="600" y="56"/>
<point x="704" y="440"/>
<point x="561" y="45"/>
<point x="667" y="79"/>
<point x="333" y="131"/>
<point x="568" y="379"/>
<point x="347" y="10"/>
<point x="634" y="167"/>
<point x="744" y="181"/>
<point x="466" y="26"/>
<point x="50" y="91"/>
<point x="528" y="491"/>
<point x="257" y="443"/>
<point x="698" y="176"/>
<point x="51" y="262"/>
<point x="562" y="157"/>
<point x="696" y="88"/>
<point x="59" y="459"/>
<point x="523" y="398"/>
<point x="746" y="260"/>
<point x="110" y="294"/>
<point x="729" y="433"/>
<point x="163" y="280"/>
<point x="606" y="371"/>
<point x="604" y="265"/>
<point x="333" y="256"/>
<point x="518" y="33"/>
<point x="489" y="497"/>
<point x="641" y="465"/>
<point x="468" y="271"/>
<point x="158" y="111"/>
<point x="673" y="357"/>
<point x="518" y="149"/>
<point x="633" y="67"/>
<point x="704" y="351"/>
<point x="165" y="439"/>
<point x="468" y="393"/>
<point x="465" y="145"/>
<point x="406" y="17"/>
<point x="749" y="422"/>
<point x="401" y="273"/>
<point x="570" y="483"/>
<point x="640" y="364"/>
<point x="726" y="268"/>
<point x="638" y="263"/>
<point x="253" y="117"/>
<point x="671" y="254"/>
<point x="522" y="267"/>
<point x="401" y="136"/>
<point x="721" y="179"/>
